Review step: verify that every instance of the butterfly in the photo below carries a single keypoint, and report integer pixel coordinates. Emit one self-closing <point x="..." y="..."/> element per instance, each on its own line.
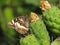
<point x="20" y="24"/>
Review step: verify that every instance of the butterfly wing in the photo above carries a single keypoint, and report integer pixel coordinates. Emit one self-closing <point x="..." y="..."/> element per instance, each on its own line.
<point x="20" y="24"/>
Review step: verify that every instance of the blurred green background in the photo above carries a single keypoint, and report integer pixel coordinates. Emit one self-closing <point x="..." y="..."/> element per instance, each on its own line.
<point x="13" y="8"/>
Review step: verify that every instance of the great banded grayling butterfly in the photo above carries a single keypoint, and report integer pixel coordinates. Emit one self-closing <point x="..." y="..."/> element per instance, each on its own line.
<point x="20" y="24"/>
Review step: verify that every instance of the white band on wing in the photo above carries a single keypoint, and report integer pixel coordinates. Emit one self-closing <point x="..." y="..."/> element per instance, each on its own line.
<point x="17" y="25"/>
